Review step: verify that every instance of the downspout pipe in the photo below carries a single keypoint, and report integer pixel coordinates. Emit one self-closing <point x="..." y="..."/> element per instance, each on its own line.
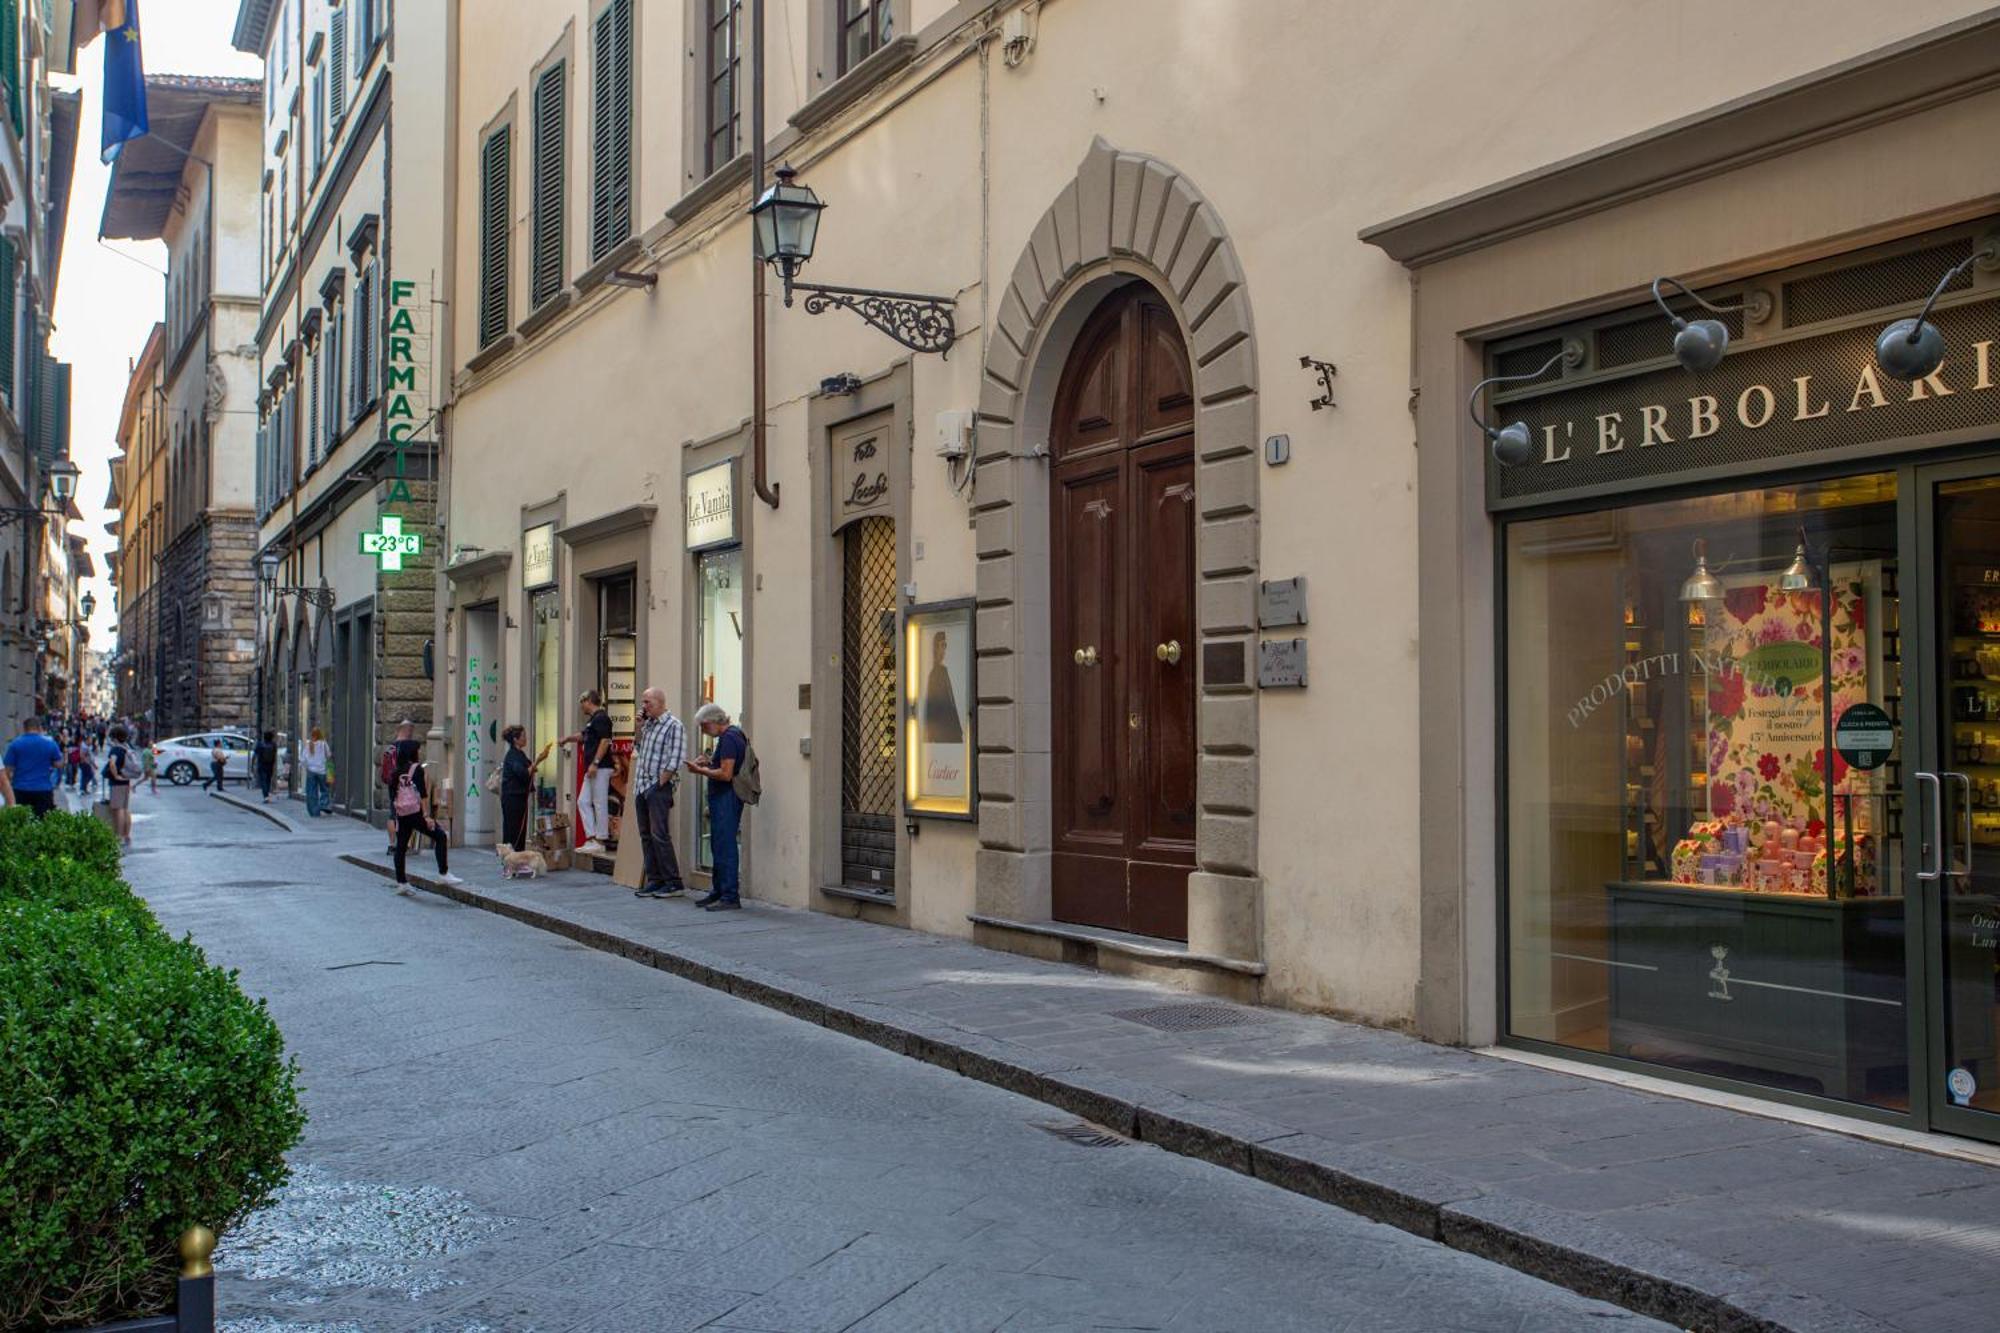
<point x="759" y="409"/>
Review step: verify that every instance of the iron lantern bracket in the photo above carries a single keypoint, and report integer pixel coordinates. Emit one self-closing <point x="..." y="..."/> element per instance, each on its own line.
<point x="920" y="323"/>
<point x="25" y="513"/>
<point x="319" y="599"/>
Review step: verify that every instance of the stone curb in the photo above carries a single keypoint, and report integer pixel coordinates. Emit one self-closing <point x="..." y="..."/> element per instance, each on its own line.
<point x="1587" y="1258"/>
<point x="256" y="808"/>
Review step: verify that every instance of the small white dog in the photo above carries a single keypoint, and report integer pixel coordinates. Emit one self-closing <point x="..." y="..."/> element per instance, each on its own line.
<point x="520" y="865"/>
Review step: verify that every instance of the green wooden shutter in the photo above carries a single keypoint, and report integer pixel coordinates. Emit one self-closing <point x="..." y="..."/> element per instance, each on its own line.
<point x="10" y="57"/>
<point x="8" y="318"/>
<point x="611" y="129"/>
<point x="495" y="170"/>
<point x="336" y="63"/>
<point x="548" y="178"/>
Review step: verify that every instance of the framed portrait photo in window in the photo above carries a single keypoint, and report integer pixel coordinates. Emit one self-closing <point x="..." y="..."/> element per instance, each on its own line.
<point x="939" y="746"/>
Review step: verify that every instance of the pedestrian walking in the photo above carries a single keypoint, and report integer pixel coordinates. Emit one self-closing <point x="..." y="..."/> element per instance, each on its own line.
<point x="593" y="793"/>
<point x="517" y="783"/>
<point x="118" y="773"/>
<point x="264" y="762"/>
<point x="318" y="758"/>
<point x="406" y="730"/>
<point x="29" y="768"/>
<point x="217" y="758"/>
<point x="149" y="764"/>
<point x="656" y="772"/>
<point x="731" y="770"/>
<point x="415" y="805"/>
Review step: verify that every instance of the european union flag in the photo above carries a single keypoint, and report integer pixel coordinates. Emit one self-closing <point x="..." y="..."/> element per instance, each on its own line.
<point x="124" y="85"/>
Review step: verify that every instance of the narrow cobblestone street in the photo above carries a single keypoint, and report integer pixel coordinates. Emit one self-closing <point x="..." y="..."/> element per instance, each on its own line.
<point x="512" y="1132"/>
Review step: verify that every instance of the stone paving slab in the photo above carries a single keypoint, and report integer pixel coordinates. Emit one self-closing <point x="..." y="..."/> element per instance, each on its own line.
<point x="1706" y="1216"/>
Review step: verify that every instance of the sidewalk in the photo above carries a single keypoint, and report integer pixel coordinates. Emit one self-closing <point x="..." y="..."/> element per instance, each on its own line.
<point x="1705" y="1216"/>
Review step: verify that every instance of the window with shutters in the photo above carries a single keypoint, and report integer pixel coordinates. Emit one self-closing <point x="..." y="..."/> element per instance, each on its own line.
<point x="9" y="316"/>
<point x="495" y="200"/>
<point x="336" y="64"/>
<point x="546" y="182"/>
<point x="319" y="119"/>
<point x="362" y="391"/>
<point x="722" y="64"/>
<point x="330" y="352"/>
<point x="10" y="57"/>
<point x="611" y="128"/>
<point x="312" y="412"/>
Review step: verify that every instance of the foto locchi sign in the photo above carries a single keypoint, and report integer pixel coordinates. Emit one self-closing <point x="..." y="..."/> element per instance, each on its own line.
<point x="1781" y="400"/>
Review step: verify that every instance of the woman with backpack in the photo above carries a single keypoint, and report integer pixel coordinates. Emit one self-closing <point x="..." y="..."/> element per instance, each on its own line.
<point x="118" y="775"/>
<point x="414" y="803"/>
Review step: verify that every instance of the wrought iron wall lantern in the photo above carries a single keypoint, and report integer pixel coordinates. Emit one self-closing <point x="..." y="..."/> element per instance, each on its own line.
<point x="785" y="224"/>
<point x="319" y="599"/>
<point x="61" y="476"/>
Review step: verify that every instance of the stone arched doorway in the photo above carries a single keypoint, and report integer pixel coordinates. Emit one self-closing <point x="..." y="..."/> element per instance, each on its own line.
<point x="1125" y="217"/>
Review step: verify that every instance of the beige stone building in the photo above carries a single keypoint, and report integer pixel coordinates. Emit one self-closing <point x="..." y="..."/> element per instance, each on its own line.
<point x="192" y="184"/>
<point x="1127" y="630"/>
<point x="352" y="127"/>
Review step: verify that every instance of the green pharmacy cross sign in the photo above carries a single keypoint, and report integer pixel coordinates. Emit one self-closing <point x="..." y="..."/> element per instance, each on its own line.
<point x="391" y="544"/>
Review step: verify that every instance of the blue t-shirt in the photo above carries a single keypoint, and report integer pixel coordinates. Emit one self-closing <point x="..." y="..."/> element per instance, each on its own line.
<point x="34" y="758"/>
<point x="731" y="744"/>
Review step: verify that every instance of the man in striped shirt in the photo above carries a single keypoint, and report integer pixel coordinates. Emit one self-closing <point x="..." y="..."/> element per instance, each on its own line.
<point x="656" y="761"/>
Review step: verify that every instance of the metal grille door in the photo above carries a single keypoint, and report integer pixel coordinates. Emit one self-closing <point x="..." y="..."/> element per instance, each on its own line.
<point x="868" y="705"/>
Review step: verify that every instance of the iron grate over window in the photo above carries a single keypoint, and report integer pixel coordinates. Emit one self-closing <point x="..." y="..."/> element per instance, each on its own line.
<point x="868" y="704"/>
<point x="1899" y="280"/>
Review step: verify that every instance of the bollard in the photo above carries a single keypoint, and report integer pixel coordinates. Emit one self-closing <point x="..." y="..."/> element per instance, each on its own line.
<point x="194" y="1310"/>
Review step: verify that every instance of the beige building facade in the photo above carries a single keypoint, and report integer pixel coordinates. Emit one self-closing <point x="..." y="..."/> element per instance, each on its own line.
<point x="1163" y="622"/>
<point x="138" y="499"/>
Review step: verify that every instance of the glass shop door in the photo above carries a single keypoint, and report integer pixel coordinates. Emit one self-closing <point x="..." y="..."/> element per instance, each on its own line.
<point x="1956" y="796"/>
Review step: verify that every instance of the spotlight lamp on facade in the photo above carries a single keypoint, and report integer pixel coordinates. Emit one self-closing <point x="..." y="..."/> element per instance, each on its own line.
<point x="785" y="225"/>
<point x="1514" y="444"/>
<point x="1700" y="344"/>
<point x="1911" y="349"/>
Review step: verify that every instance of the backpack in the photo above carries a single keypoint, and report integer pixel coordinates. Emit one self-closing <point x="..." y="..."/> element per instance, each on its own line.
<point x="408" y="801"/>
<point x="386" y="769"/>
<point x="748" y="784"/>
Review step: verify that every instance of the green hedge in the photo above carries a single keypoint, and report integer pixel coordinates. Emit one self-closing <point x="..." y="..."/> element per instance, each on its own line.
<point x="141" y="1091"/>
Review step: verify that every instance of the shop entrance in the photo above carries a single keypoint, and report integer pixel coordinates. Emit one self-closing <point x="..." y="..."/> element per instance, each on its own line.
<point x="1959" y="784"/>
<point x="1122" y="521"/>
<point x="868" y="705"/>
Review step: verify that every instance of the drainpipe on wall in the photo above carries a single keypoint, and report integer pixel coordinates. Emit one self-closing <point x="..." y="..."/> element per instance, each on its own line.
<point x="759" y="426"/>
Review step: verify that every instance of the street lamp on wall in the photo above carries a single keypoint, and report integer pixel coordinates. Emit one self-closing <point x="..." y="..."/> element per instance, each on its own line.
<point x="62" y="475"/>
<point x="785" y="227"/>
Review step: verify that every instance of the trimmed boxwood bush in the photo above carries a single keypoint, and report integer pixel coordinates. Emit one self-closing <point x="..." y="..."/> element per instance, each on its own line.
<point x="141" y="1091"/>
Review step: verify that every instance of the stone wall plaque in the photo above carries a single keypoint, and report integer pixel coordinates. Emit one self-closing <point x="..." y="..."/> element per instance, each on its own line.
<point x="1281" y="602"/>
<point x="1222" y="663"/>
<point x="1281" y="664"/>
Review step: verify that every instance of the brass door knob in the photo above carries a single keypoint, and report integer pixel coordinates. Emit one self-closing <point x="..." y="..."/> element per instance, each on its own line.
<point x="1087" y="657"/>
<point x="1168" y="652"/>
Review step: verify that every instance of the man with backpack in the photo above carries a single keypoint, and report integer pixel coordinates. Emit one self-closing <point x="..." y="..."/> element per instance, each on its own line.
<point x="118" y="774"/>
<point x="734" y="781"/>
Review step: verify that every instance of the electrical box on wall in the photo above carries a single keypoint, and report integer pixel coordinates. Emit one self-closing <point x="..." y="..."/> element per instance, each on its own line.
<point x="954" y="434"/>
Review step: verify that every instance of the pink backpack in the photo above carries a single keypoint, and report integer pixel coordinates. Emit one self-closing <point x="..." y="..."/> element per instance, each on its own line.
<point x="408" y="801"/>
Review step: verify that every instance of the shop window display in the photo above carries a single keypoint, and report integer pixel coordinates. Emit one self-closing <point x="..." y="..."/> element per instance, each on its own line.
<point x="1697" y="875"/>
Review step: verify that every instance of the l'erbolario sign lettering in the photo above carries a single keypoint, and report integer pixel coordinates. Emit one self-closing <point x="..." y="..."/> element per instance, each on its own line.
<point x="1765" y="402"/>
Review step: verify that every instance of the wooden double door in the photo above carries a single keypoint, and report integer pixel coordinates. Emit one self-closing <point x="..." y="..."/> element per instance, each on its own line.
<point x="1122" y="558"/>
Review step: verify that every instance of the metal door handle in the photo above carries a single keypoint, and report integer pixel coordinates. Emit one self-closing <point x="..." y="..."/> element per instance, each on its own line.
<point x="1965" y="840"/>
<point x="1087" y="657"/>
<point x="1936" y="842"/>
<point x="1168" y="652"/>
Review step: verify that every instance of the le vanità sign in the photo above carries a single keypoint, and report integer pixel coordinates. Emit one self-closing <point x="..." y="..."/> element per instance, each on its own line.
<point x="1786" y="400"/>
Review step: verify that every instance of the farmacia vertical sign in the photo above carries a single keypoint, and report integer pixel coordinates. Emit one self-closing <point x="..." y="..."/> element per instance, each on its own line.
<point x="406" y="395"/>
